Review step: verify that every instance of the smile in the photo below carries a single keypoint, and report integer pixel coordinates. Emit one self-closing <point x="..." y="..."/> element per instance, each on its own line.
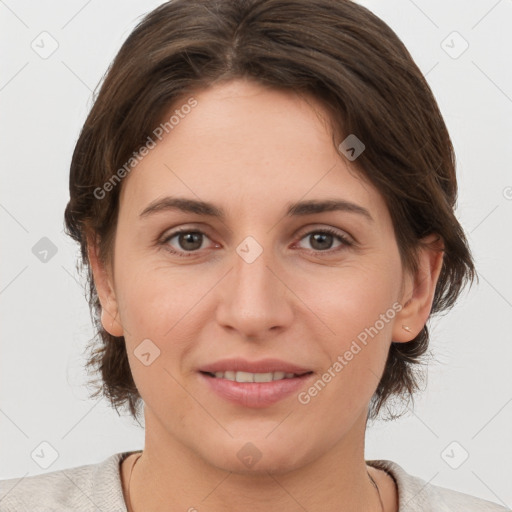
<point x="252" y="377"/>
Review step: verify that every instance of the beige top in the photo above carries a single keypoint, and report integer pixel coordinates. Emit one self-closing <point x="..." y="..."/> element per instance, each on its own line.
<point x="98" y="487"/>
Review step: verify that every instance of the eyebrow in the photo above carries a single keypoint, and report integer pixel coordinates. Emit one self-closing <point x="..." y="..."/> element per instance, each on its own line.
<point x="299" y="209"/>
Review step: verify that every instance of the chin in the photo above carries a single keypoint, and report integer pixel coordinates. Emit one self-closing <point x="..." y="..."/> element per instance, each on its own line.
<point x="258" y="457"/>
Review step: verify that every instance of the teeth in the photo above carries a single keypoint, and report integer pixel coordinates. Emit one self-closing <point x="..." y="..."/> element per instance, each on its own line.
<point x="253" y="377"/>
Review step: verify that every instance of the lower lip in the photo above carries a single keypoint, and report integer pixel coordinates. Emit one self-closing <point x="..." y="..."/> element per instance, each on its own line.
<point x="255" y="394"/>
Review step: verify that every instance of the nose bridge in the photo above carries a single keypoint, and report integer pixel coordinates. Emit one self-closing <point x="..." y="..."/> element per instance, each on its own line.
<point x="252" y="300"/>
<point x="251" y="274"/>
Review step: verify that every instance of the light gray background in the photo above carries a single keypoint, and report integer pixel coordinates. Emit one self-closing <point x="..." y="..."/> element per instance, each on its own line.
<point x="44" y="316"/>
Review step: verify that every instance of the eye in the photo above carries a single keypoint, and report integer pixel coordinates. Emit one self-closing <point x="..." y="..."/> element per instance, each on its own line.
<point x="322" y="239"/>
<point x="189" y="241"/>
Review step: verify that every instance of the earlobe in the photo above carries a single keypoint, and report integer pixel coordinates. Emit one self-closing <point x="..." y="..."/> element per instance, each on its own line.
<point x="105" y="290"/>
<point x="419" y="291"/>
<point x="110" y="323"/>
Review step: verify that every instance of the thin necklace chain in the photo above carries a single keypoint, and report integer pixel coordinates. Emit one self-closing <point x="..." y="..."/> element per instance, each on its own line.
<point x="130" y="509"/>
<point x="378" y="492"/>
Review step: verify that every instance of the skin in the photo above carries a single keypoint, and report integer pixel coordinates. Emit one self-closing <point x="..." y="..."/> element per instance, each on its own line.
<point x="251" y="150"/>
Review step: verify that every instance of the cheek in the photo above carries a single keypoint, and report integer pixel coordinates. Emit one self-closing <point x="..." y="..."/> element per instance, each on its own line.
<point x="152" y="298"/>
<point x="359" y="308"/>
<point x="354" y="299"/>
<point x="163" y="305"/>
<point x="159" y="320"/>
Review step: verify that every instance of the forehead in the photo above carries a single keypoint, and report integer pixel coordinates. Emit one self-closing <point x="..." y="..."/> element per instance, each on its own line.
<point x="249" y="147"/>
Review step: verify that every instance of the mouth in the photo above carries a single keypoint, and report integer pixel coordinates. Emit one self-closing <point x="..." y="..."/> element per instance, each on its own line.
<point x="254" y="384"/>
<point x="240" y="376"/>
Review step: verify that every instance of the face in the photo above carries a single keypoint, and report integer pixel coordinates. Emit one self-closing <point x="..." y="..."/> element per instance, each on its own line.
<point x="254" y="284"/>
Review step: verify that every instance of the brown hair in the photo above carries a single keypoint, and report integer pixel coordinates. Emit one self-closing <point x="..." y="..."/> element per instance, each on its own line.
<point x="333" y="50"/>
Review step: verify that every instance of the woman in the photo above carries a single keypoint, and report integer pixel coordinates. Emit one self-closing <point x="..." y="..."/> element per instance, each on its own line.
<point x="263" y="194"/>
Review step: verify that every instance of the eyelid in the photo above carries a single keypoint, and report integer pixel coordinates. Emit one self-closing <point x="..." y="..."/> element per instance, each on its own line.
<point x="203" y="229"/>
<point x="323" y="227"/>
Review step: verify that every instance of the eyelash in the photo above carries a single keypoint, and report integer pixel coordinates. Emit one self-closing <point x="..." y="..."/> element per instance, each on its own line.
<point x="324" y="231"/>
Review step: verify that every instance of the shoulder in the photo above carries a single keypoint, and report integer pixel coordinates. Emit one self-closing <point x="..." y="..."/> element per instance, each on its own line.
<point x="417" y="495"/>
<point x="86" y="488"/>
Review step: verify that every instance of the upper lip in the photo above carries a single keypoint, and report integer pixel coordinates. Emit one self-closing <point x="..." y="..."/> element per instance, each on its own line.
<point x="261" y="366"/>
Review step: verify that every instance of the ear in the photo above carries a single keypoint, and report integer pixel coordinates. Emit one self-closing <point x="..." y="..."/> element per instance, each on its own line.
<point x="418" y="290"/>
<point x="103" y="281"/>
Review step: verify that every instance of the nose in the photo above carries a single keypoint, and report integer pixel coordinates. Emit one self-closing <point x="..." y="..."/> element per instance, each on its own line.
<point x="253" y="298"/>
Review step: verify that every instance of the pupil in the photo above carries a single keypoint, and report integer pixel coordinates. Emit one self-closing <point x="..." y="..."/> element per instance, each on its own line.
<point x="322" y="237"/>
<point x="188" y="238"/>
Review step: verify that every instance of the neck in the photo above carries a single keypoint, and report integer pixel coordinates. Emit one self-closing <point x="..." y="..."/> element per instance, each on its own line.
<point x="170" y="473"/>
